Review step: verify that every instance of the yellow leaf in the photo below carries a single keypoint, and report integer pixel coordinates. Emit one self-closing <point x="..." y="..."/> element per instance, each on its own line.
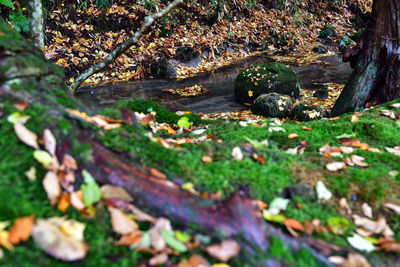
<point x="250" y="93"/>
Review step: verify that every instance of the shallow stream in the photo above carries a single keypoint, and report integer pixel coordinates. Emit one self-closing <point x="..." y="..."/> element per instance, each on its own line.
<point x="220" y="84"/>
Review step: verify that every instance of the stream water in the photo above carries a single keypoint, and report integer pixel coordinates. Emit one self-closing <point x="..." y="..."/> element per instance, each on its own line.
<point x="220" y="84"/>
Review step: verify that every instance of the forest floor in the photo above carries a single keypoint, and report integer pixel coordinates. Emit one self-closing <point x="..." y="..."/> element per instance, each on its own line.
<point x="335" y="179"/>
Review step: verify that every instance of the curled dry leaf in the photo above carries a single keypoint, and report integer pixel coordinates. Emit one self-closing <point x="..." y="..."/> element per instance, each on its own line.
<point x="367" y="210"/>
<point x="52" y="187"/>
<point x="121" y="223"/>
<point x="293" y="135"/>
<point x="225" y="250"/>
<point x="129" y="239"/>
<point x="335" y="166"/>
<point x="113" y="191"/>
<point x="26" y="136"/>
<point x="395" y="208"/>
<point x="50" y="142"/>
<point x="345" y="205"/>
<point x="158" y="259"/>
<point x="76" y="199"/>
<point x="48" y="235"/>
<point x="388" y="113"/>
<point x="157" y="241"/>
<point x="359" y="161"/>
<point x="69" y="163"/>
<point x="21" y="229"/>
<point x="375" y="227"/>
<point x="237" y="153"/>
<point x="67" y="180"/>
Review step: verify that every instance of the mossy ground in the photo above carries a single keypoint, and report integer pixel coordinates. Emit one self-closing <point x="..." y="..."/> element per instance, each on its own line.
<point x="21" y="197"/>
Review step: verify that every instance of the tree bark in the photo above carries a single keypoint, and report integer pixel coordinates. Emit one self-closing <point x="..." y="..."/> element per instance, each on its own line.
<point x="36" y="23"/>
<point x="376" y="76"/>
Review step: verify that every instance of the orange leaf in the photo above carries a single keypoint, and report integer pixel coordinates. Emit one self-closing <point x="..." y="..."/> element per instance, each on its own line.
<point x="306" y="128"/>
<point x="293" y="135"/>
<point x="354" y="118"/>
<point x="206" y="159"/>
<point x="294" y="224"/>
<point x="129" y="239"/>
<point x="21" y="230"/>
<point x="64" y="202"/>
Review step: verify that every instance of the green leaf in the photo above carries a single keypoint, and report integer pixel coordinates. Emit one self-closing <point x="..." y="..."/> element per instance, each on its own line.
<point x="182" y="236"/>
<point x="91" y="190"/>
<point x="169" y="237"/>
<point x="338" y="225"/>
<point x="20" y="22"/>
<point x="43" y="157"/>
<point x="273" y="218"/>
<point x="7" y="3"/>
<point x="184" y="122"/>
<point x="18" y="117"/>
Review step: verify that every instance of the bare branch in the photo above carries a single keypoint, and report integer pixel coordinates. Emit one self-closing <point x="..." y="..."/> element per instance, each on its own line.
<point x="148" y="21"/>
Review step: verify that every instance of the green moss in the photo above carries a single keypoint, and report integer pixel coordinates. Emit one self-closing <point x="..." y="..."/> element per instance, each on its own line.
<point x="162" y="114"/>
<point x="327" y="31"/>
<point x="264" y="79"/>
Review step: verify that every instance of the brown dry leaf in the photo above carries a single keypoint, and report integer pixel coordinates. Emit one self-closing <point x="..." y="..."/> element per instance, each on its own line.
<point x="198" y="261"/>
<point x="69" y="163"/>
<point x="49" y="236"/>
<point x="389" y="245"/>
<point x="334" y="119"/>
<point x="349" y="141"/>
<point x="141" y="216"/>
<point x="50" y="142"/>
<point x="294" y="224"/>
<point x="121" y="223"/>
<point x="67" y="180"/>
<point x="348" y="161"/>
<point x="367" y="210"/>
<point x="388" y="232"/>
<point x="52" y="187"/>
<point x="306" y="128"/>
<point x="129" y="239"/>
<point x="293" y="135"/>
<point x="76" y="199"/>
<point x="21" y="106"/>
<point x="395" y="150"/>
<point x="395" y="208"/>
<point x="356" y="260"/>
<point x="157" y="241"/>
<point x="376" y="227"/>
<point x="225" y="250"/>
<point x="259" y="158"/>
<point x="359" y="161"/>
<point x="113" y="191"/>
<point x="26" y="136"/>
<point x="354" y="118"/>
<point x="206" y="159"/>
<point x="21" y="229"/>
<point x="345" y="205"/>
<point x="388" y="113"/>
<point x="65" y="202"/>
<point x="335" y="166"/>
<point x="158" y="259"/>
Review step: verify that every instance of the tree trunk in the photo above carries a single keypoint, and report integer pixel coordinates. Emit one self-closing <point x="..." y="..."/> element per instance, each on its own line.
<point x="36" y="23"/>
<point x="376" y="76"/>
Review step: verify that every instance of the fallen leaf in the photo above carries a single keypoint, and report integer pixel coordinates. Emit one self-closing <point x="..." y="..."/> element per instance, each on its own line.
<point x="306" y="128"/>
<point x="26" y="136"/>
<point x="31" y="173"/>
<point x="158" y="259"/>
<point x="359" y="161"/>
<point x="169" y="237"/>
<point x="129" y="239"/>
<point x="395" y="208"/>
<point x="65" y="202"/>
<point x="323" y="192"/>
<point x="354" y="118"/>
<point x="43" y="157"/>
<point x="52" y="187"/>
<point x="388" y="113"/>
<point x="293" y="135"/>
<point x="294" y="224"/>
<point x="157" y="241"/>
<point x="278" y="204"/>
<point x="338" y="225"/>
<point x="4" y="236"/>
<point x="395" y="105"/>
<point x="1" y="254"/>
<point x="225" y="250"/>
<point x="90" y="189"/>
<point x="356" y="260"/>
<point x="50" y="142"/>
<point x="69" y="163"/>
<point x="335" y="166"/>
<point x="360" y="243"/>
<point x="76" y="199"/>
<point x="157" y="173"/>
<point x="345" y="205"/>
<point x="395" y="150"/>
<point x="206" y="159"/>
<point x="21" y="230"/>
<point x="21" y="106"/>
<point x="237" y="153"/>
<point x="113" y="191"/>
<point x="376" y="227"/>
<point x="48" y="235"/>
<point x="390" y="246"/>
<point x="184" y="123"/>
<point x="18" y="117"/>
<point x="121" y="223"/>
<point x="367" y="210"/>
<point x="73" y="228"/>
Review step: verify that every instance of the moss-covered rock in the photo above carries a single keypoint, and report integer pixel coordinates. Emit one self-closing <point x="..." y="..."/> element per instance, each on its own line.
<point x="272" y="105"/>
<point x="302" y="111"/>
<point x="264" y="79"/>
<point x="346" y="43"/>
